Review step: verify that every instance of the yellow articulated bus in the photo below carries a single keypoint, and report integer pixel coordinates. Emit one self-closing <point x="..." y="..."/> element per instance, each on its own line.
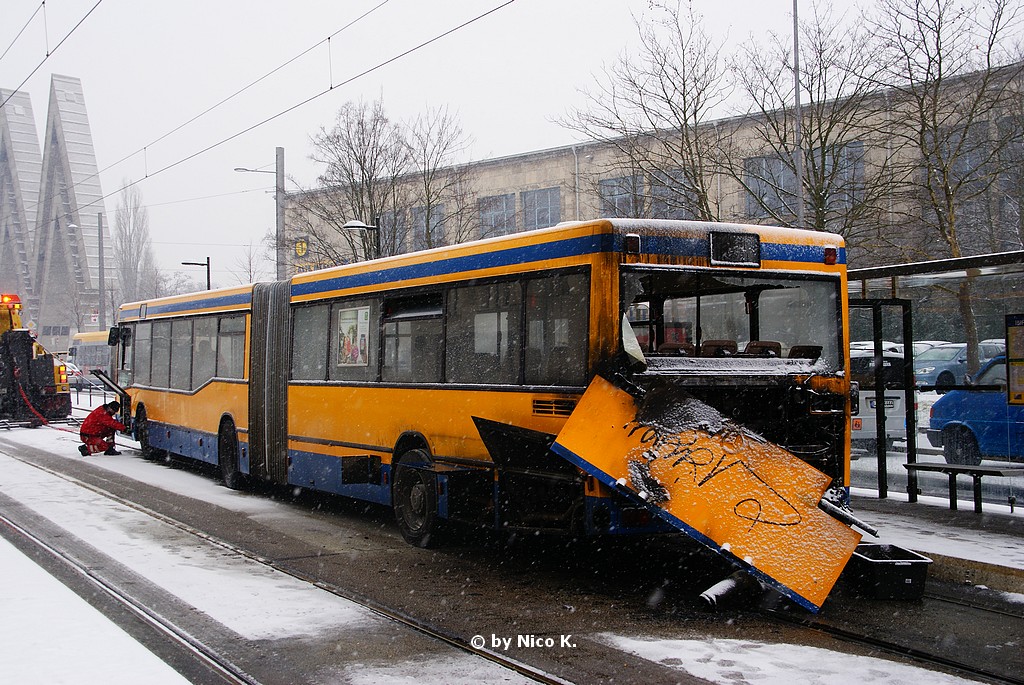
<point x="601" y="377"/>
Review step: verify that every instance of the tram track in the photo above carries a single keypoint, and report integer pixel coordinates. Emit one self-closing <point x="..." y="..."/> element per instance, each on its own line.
<point x="823" y="627"/>
<point x="218" y="665"/>
<point x="209" y="657"/>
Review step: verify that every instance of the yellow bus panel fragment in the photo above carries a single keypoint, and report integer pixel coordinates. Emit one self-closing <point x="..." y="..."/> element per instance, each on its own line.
<point x="738" y="494"/>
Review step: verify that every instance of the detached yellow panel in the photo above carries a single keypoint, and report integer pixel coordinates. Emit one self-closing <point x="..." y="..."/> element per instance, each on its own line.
<point x="738" y="494"/>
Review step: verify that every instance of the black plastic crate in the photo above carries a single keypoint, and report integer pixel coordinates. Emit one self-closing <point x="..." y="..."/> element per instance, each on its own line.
<point x="887" y="571"/>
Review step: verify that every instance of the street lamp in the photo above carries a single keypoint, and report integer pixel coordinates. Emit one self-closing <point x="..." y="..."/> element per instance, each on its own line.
<point x="279" y="205"/>
<point x="356" y="225"/>
<point x="207" y="265"/>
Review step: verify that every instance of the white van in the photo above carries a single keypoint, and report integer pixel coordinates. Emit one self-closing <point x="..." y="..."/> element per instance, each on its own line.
<point x="863" y="433"/>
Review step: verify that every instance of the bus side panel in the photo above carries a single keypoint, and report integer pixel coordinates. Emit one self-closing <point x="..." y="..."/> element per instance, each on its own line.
<point x="187" y="424"/>
<point x="339" y="434"/>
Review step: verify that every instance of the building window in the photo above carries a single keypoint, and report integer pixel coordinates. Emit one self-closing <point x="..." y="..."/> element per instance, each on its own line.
<point x="671" y="196"/>
<point x="422" y="238"/>
<point x="497" y="215"/>
<point x="541" y="208"/>
<point x="844" y="171"/>
<point x="771" y="187"/>
<point x="619" y="196"/>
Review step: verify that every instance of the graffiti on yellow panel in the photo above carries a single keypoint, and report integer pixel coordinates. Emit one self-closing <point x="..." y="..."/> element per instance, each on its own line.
<point x="726" y="486"/>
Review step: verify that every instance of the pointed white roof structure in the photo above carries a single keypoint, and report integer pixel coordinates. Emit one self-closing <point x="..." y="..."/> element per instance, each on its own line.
<point x="20" y="165"/>
<point x="66" y="256"/>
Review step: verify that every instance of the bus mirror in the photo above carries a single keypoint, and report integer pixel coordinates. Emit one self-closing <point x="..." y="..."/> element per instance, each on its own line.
<point x="114" y="336"/>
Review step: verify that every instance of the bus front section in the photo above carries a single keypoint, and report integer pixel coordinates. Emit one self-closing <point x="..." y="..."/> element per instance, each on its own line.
<point x="725" y="414"/>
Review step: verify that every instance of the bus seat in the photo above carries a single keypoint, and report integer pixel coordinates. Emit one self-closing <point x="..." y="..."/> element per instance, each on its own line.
<point x="718" y="348"/>
<point x="805" y="351"/>
<point x="763" y="348"/>
<point x="684" y="349"/>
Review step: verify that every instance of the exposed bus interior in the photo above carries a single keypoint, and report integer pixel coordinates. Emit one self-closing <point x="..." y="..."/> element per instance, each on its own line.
<point x="750" y="345"/>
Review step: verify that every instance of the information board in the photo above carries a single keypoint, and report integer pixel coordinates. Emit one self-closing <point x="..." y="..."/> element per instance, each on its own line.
<point x="1015" y="358"/>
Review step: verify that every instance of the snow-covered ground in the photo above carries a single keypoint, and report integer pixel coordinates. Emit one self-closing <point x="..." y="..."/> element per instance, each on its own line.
<point x="49" y="635"/>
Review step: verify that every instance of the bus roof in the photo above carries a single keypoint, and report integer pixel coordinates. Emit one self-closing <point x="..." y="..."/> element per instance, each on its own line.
<point x="567" y="244"/>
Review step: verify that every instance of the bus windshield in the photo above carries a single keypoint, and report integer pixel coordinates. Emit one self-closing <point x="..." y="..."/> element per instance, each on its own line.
<point x="675" y="313"/>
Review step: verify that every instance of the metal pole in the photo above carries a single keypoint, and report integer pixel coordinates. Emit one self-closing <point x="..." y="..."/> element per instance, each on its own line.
<point x="208" y="274"/>
<point x="799" y="156"/>
<point x="279" y="238"/>
<point x="103" y="304"/>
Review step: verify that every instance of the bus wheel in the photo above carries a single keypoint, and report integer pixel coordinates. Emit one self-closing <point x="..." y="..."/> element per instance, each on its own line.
<point x="960" y="447"/>
<point x="227" y="455"/>
<point x="414" y="498"/>
<point x="142" y="435"/>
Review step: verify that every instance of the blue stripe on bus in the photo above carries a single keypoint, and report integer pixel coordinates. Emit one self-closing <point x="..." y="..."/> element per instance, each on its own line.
<point x="572" y="247"/>
<point x="219" y="301"/>
<point x="657" y="245"/>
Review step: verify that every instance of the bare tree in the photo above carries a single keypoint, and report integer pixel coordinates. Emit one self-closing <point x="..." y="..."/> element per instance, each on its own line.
<point x="441" y="192"/>
<point x="847" y="174"/>
<point x="365" y="155"/>
<point x="250" y="265"/>
<point x="137" y="273"/>
<point x="655" y="111"/>
<point x="954" y="80"/>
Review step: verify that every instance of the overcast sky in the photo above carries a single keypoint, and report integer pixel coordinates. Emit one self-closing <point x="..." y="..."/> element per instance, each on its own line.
<point x="147" y="68"/>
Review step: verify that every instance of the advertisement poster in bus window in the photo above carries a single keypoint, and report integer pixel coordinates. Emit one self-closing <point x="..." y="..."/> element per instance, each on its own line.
<point x="353" y="336"/>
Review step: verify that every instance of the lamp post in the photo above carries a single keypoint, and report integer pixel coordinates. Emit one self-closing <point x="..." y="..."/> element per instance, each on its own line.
<point x="356" y="225"/>
<point x="207" y="265"/>
<point x="279" y="238"/>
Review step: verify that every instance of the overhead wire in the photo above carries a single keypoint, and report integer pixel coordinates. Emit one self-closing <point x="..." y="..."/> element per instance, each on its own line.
<point x="49" y="53"/>
<point x="316" y="96"/>
<point x="43" y="4"/>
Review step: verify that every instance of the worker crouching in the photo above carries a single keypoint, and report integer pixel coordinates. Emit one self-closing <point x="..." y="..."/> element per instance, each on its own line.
<point x="97" y="430"/>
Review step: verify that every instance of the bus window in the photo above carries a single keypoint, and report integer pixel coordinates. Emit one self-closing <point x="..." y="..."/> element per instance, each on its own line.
<point x="204" y="359"/>
<point x="354" y="341"/>
<point x="181" y="354"/>
<point x="483" y="334"/>
<point x="231" y="347"/>
<point x="143" y="348"/>
<point x="412" y="340"/>
<point x="556" y="330"/>
<point x="309" y="343"/>
<point x="161" y="354"/>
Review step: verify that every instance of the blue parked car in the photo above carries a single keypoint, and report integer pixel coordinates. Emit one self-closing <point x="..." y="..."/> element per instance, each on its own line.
<point x="946" y="365"/>
<point x="971" y="424"/>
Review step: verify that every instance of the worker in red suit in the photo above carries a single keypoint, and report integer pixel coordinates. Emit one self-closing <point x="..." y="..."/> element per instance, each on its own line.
<point x="97" y="430"/>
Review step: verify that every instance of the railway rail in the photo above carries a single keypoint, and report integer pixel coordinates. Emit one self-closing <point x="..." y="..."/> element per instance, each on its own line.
<point x="543" y="578"/>
<point x="917" y="654"/>
<point x="219" y="664"/>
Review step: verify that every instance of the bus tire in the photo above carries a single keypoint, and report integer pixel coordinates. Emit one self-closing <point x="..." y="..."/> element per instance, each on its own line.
<point x="227" y="456"/>
<point x="142" y="435"/>
<point x="414" y="499"/>
<point x="960" y="447"/>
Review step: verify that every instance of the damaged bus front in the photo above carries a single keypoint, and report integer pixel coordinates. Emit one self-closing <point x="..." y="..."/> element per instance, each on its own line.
<point x="726" y="411"/>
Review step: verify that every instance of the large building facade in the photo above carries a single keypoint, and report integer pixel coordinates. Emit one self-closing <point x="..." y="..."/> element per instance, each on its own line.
<point x="55" y="244"/>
